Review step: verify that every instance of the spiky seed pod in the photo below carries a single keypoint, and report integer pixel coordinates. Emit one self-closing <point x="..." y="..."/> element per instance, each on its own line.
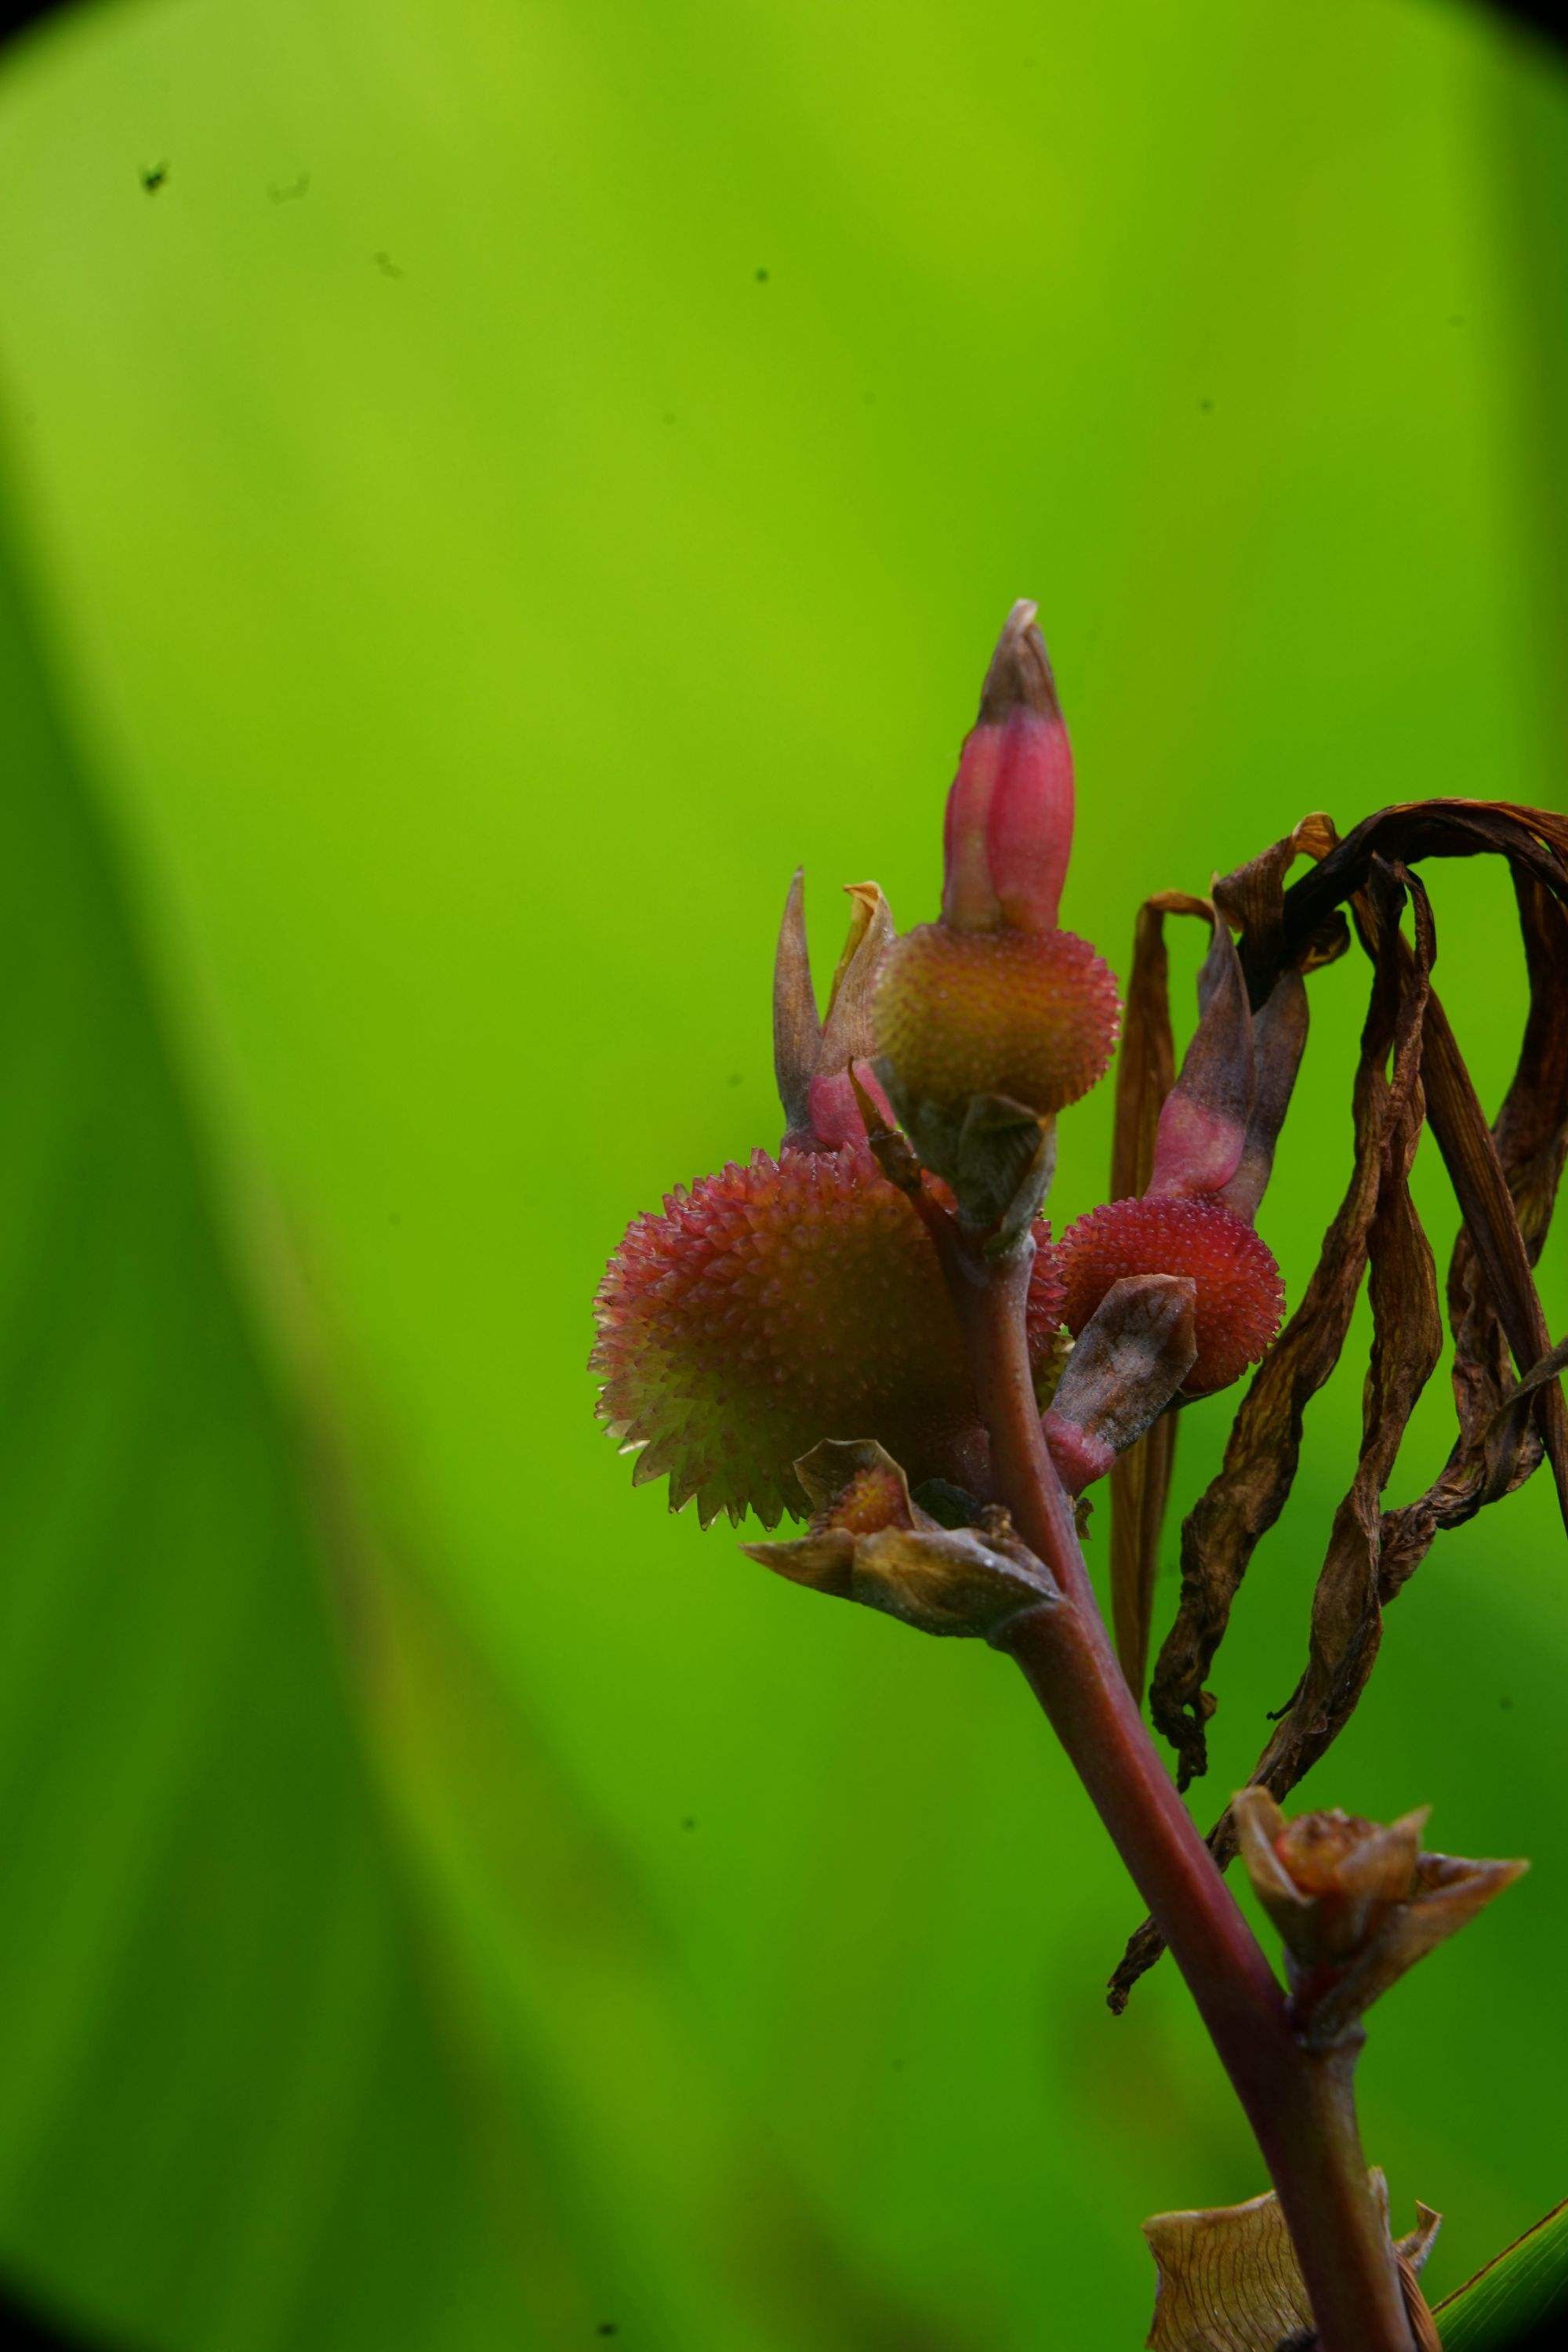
<point x="775" y="1305"/>
<point x="1238" y="1294"/>
<point x="1028" y="1014"/>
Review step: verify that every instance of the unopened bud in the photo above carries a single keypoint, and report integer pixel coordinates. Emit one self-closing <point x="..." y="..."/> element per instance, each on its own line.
<point x="1009" y="830"/>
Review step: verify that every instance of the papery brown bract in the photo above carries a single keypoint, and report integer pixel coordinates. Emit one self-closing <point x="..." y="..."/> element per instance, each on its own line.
<point x="780" y="1303"/>
<point x="1356" y="1903"/>
<point x="870" y="1542"/>
<point x="1229" y="2280"/>
<point x="1129" y="1361"/>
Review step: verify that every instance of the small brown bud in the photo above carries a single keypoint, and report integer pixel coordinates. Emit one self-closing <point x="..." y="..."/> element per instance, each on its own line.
<point x="870" y="1542"/>
<point x="1356" y="1903"/>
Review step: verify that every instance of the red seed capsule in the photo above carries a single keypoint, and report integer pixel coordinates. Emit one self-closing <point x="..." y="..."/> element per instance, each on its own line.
<point x="1029" y="1015"/>
<point x="1239" y="1295"/>
<point x="776" y="1304"/>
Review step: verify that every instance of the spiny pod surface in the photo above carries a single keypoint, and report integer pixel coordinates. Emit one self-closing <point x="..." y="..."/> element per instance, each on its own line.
<point x="777" y="1304"/>
<point x="1031" y="1016"/>
<point x="1238" y="1294"/>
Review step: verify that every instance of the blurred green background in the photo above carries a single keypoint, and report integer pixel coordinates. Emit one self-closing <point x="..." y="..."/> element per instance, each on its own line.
<point x="526" y="475"/>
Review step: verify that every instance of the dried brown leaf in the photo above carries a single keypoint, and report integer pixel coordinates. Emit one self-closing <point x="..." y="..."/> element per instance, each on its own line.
<point x="1497" y="1448"/>
<point x="1253" y="900"/>
<point x="1408" y="1332"/>
<point x="1376" y="1227"/>
<point x="1506" y="1178"/>
<point x="1140" y="1489"/>
<point x="1531" y="1128"/>
<point x="1247" y="1496"/>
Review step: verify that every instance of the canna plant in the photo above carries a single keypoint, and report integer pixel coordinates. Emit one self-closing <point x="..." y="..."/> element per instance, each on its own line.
<point x="872" y="1332"/>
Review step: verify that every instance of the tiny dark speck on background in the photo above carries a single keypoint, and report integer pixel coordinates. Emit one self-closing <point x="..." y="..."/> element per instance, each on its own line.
<point x="153" y="180"/>
<point x="607" y="2327"/>
<point x="761" y="277"/>
<point x="689" y="1821"/>
<point x="385" y="264"/>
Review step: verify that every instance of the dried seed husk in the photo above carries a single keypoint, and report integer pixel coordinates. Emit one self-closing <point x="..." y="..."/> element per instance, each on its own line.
<point x="1449" y="1891"/>
<point x="897" y="1558"/>
<point x="1228" y="2279"/>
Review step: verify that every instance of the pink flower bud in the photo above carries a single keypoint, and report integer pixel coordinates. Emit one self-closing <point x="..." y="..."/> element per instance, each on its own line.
<point x="1009" y="830"/>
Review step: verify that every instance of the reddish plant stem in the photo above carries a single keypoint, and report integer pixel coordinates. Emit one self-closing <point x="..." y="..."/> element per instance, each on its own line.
<point x="1300" y="2102"/>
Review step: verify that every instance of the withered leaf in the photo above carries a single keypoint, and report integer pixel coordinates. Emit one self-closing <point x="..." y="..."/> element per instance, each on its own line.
<point x="1247" y="1496"/>
<point x="1506" y="1178"/>
<point x="869" y="1541"/>
<point x="1228" y="2280"/>
<point x="1408" y="1332"/>
<point x="1377" y="1227"/>
<point x="1499" y="1444"/>
<point x="1535" y="842"/>
<point x="1218" y="1120"/>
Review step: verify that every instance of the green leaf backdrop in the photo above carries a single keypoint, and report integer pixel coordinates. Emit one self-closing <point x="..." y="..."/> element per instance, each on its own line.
<point x="529" y="475"/>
